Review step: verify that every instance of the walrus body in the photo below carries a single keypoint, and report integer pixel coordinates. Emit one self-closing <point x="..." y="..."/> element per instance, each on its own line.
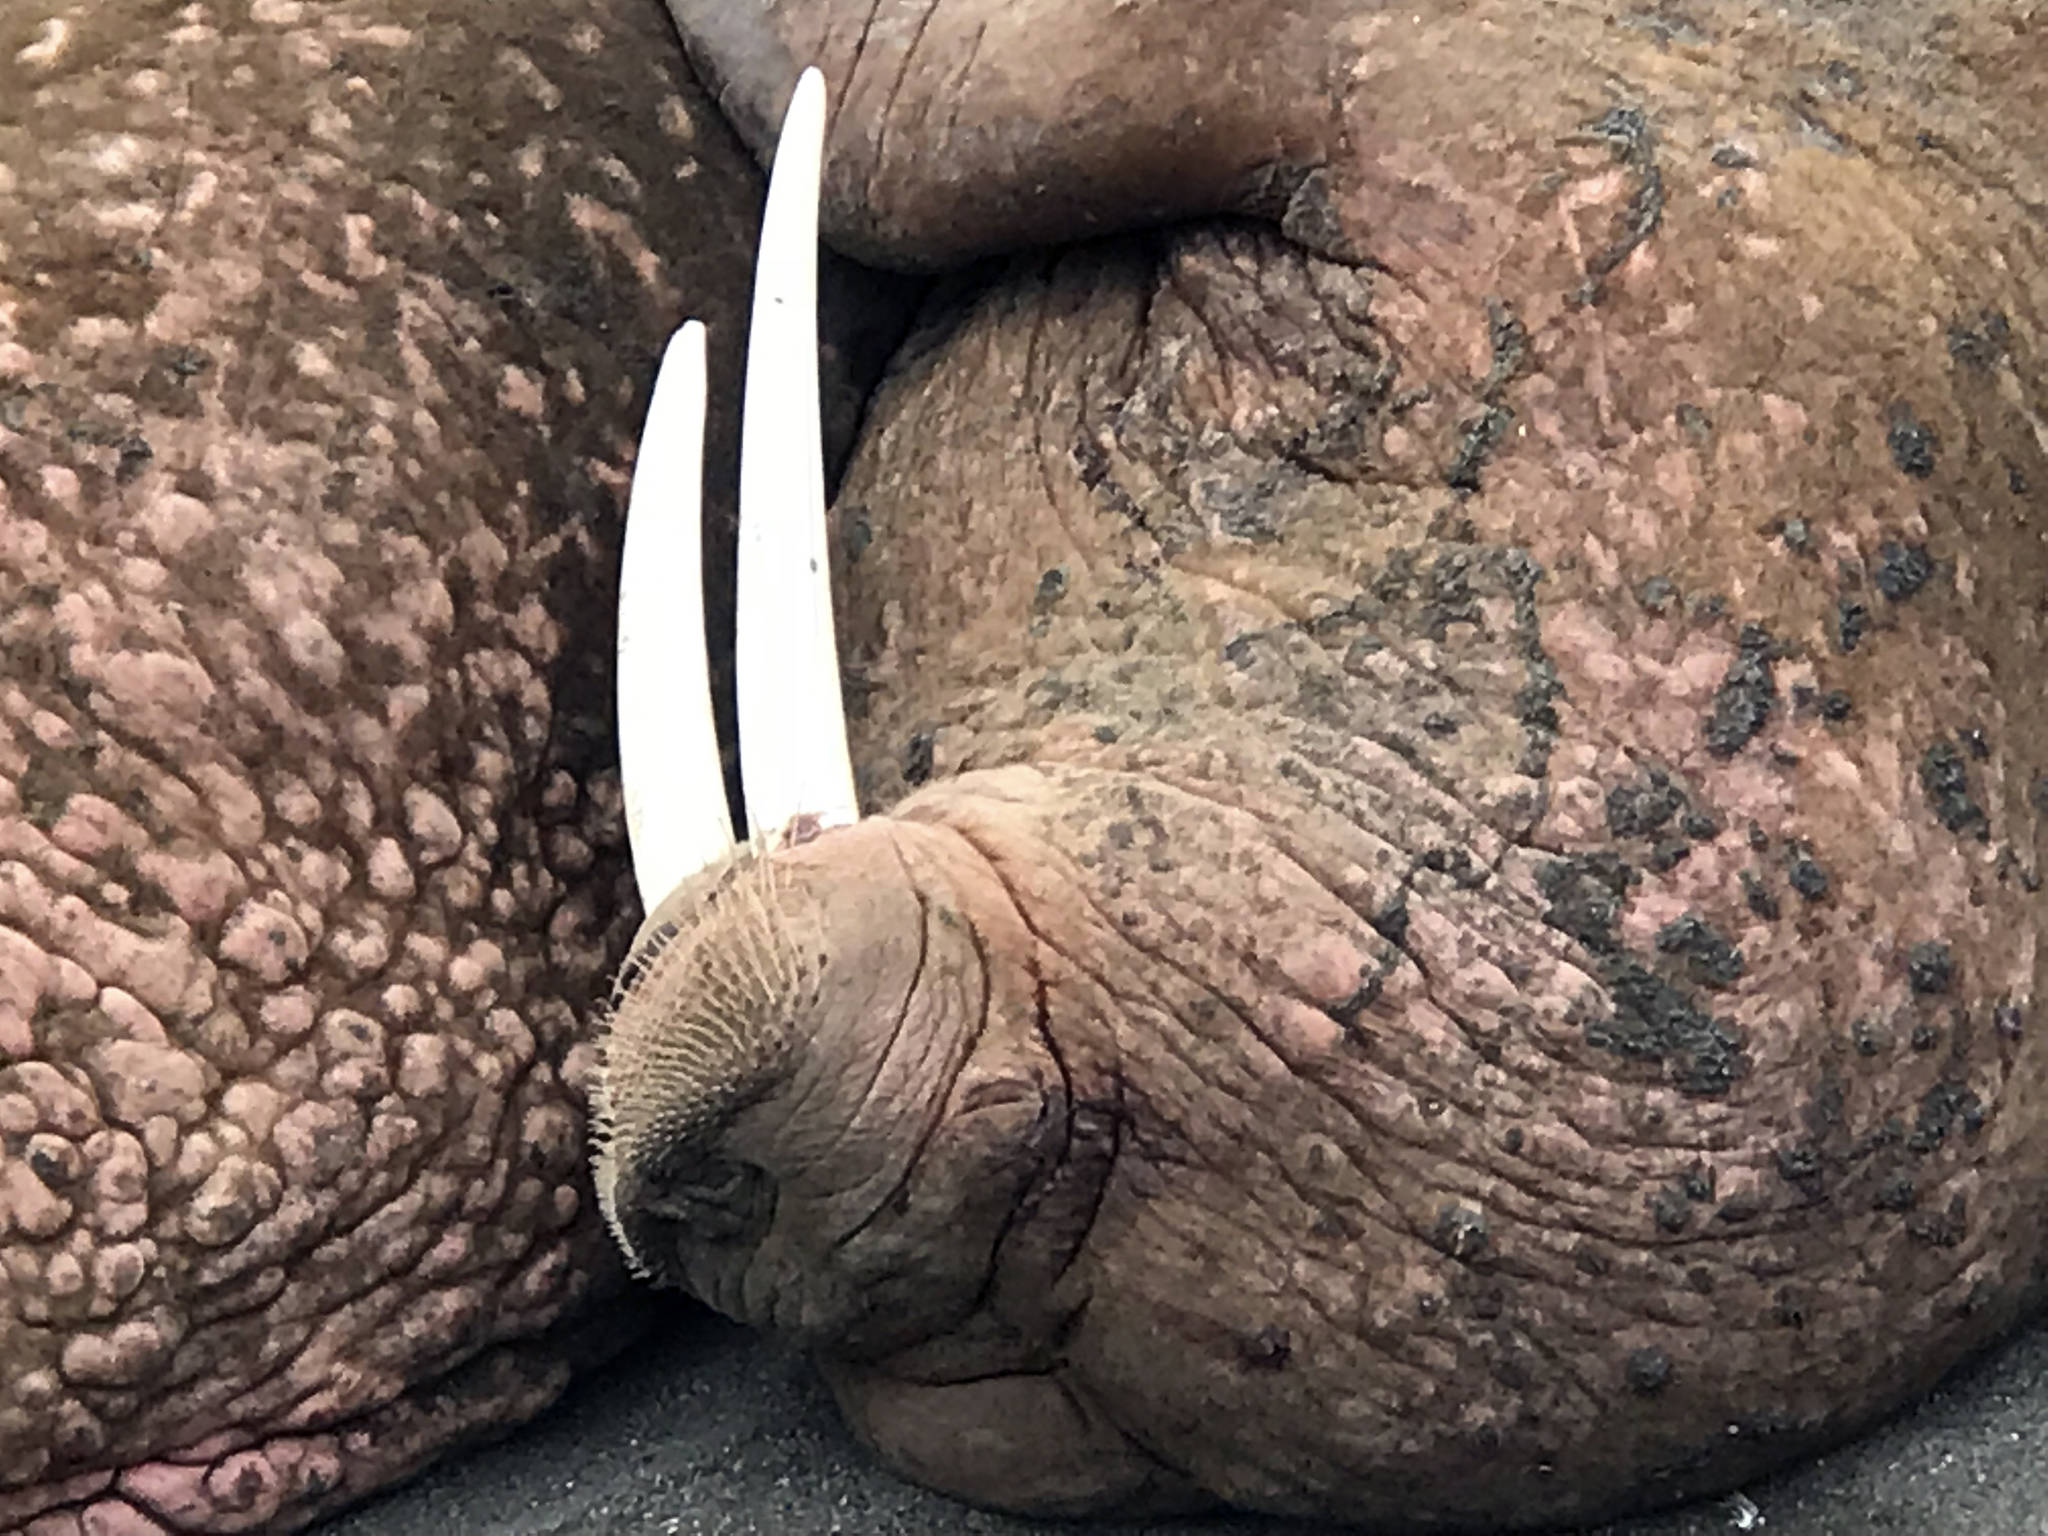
<point x="1450" y="930"/>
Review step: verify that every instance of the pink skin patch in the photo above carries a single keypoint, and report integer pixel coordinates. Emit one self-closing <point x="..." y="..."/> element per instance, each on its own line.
<point x="292" y="731"/>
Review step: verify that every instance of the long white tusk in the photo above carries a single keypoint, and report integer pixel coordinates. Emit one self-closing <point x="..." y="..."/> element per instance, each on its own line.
<point x="676" y="816"/>
<point x="794" y="763"/>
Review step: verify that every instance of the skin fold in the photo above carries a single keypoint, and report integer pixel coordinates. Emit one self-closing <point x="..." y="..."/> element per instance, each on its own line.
<point x="324" y="338"/>
<point x="1451" y="930"/>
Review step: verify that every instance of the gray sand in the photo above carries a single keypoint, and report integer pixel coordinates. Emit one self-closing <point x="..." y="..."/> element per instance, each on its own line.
<point x="708" y="1432"/>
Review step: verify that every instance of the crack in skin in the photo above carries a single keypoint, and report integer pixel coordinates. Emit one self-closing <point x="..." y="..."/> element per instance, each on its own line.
<point x="1025" y="1201"/>
<point x="1628" y="131"/>
<point x="895" y="91"/>
<point x="1235" y="1007"/>
<point x="896" y="1030"/>
<point x="1042" y="1026"/>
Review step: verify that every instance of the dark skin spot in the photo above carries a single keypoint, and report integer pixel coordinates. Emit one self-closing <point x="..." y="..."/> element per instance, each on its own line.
<point x="1852" y="623"/>
<point x="1711" y="960"/>
<point x="917" y="758"/>
<point x="1902" y="569"/>
<point x="1981" y="343"/>
<point x="1930" y="968"/>
<point x="1746" y="696"/>
<point x="2005" y="1018"/>
<point x="1807" y="877"/>
<point x="1267" y="1350"/>
<point x="1391" y="921"/>
<point x="1737" y="1210"/>
<point x="1912" y="442"/>
<point x="1456" y="863"/>
<point x="1052" y="586"/>
<point x="1654" y="1020"/>
<point x="1585" y="897"/>
<point x="1670" y="1210"/>
<point x="1461" y="1233"/>
<point x="1945" y="781"/>
<point x="1647" y="1371"/>
<point x="1798" y="1163"/>
<point x="1945" y="1107"/>
<point x="49" y="1167"/>
<point x="1667" y="855"/>
<point x="1942" y="1229"/>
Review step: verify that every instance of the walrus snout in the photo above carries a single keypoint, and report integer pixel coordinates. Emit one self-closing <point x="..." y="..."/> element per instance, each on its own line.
<point x="673" y="1201"/>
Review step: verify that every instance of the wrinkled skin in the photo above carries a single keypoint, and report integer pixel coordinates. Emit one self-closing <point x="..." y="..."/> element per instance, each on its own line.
<point x="324" y="337"/>
<point x="1453" y="934"/>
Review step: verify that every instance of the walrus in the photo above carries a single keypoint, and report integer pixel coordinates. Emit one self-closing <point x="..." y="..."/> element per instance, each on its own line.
<point x="1439" y="920"/>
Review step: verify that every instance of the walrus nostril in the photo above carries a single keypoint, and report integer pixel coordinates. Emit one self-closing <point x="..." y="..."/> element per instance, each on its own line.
<point x="686" y="1203"/>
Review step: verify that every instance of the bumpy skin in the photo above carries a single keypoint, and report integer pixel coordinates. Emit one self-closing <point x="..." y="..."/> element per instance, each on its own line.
<point x="324" y="336"/>
<point x="1471" y="815"/>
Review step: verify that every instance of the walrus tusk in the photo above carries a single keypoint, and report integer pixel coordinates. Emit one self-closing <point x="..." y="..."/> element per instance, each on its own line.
<point x="794" y="765"/>
<point x="676" y="815"/>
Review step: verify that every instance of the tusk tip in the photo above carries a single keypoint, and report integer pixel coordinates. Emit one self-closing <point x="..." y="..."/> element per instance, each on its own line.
<point x="688" y="337"/>
<point x="805" y="116"/>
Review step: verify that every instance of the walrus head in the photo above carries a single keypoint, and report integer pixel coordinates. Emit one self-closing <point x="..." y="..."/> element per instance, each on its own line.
<point x="750" y="1144"/>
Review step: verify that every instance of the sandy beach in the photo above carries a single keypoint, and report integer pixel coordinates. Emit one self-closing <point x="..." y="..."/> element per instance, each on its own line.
<point x="709" y="1432"/>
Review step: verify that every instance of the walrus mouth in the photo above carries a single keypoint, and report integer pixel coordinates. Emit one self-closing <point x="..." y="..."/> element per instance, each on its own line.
<point x="796" y="773"/>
